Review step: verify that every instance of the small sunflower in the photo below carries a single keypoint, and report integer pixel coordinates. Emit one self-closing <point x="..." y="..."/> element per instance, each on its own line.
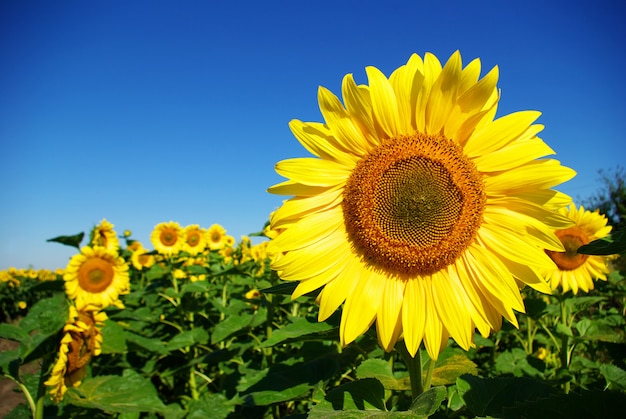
<point x="195" y="239"/>
<point x="96" y="276"/>
<point x="216" y="236"/>
<point x="81" y="340"/>
<point x="420" y="212"/>
<point x="575" y="270"/>
<point x="103" y="235"/>
<point x="141" y="259"/>
<point x="253" y="294"/>
<point x="167" y="238"/>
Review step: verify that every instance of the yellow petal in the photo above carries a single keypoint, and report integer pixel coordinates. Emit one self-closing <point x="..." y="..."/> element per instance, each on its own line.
<point x="384" y="102"/>
<point x="413" y="315"/>
<point x="387" y="320"/>
<point x="361" y="306"/>
<point x="312" y="171"/>
<point x="318" y="140"/>
<point x="443" y="95"/>
<point x="499" y="133"/>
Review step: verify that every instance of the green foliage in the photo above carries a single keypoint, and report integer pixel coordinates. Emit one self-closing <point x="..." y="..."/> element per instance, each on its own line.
<point x="72" y="241"/>
<point x="192" y="342"/>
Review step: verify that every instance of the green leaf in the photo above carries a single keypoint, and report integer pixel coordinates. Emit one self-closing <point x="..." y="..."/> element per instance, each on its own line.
<point x="231" y="325"/>
<point x="73" y="241"/>
<point x="598" y="330"/>
<point x="428" y="402"/>
<point x="198" y="286"/>
<point x="113" y="338"/>
<point x="298" y="328"/>
<point x="152" y="345"/>
<point x="196" y="270"/>
<point x="482" y="342"/>
<point x="366" y="394"/>
<point x="564" y="330"/>
<point x="612" y="244"/>
<point x="6" y="358"/>
<point x="13" y="332"/>
<point x="157" y="271"/>
<point x="490" y="396"/>
<point x="515" y="361"/>
<point x="126" y="394"/>
<point x="285" y="288"/>
<point x="580" y="303"/>
<point x="284" y="382"/>
<point x="452" y="368"/>
<point x="45" y="319"/>
<point x="615" y="376"/>
<point x="188" y="338"/>
<point x="381" y="371"/>
<point x="214" y="406"/>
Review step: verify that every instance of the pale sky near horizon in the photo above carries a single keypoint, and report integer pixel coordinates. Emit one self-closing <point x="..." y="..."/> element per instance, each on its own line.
<point x="151" y="110"/>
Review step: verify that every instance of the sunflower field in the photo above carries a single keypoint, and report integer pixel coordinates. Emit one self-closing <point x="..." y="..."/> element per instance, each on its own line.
<point x="421" y="265"/>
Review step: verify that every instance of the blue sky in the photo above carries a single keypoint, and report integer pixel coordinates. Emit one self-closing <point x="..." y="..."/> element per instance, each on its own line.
<point x="148" y="111"/>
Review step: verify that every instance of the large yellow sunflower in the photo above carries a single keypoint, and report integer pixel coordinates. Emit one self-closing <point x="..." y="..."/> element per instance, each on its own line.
<point x="574" y="270"/>
<point x="195" y="239"/>
<point x="96" y="276"/>
<point x="81" y="340"/>
<point x="420" y="211"/>
<point x="167" y="238"/>
<point x="103" y="235"/>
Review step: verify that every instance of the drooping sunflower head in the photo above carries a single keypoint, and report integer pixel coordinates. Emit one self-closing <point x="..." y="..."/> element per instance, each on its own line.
<point x="96" y="276"/>
<point x="420" y="211"/>
<point x="575" y="270"/>
<point x="104" y="235"/>
<point x="195" y="239"/>
<point x="167" y="238"/>
<point x="81" y="341"/>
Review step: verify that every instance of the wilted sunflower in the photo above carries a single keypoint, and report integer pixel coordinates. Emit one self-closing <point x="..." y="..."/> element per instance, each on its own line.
<point x="96" y="276"/>
<point x="82" y="339"/>
<point x="195" y="239"/>
<point x="420" y="211"/>
<point x="103" y="235"/>
<point x="575" y="270"/>
<point x="167" y="238"/>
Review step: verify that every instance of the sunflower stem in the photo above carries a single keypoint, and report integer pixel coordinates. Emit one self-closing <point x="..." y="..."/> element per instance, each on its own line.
<point x="429" y="374"/>
<point x="564" y="352"/>
<point x="414" y="365"/>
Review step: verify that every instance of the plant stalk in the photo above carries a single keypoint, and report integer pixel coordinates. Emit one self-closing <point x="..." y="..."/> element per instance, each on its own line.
<point x="414" y="365"/>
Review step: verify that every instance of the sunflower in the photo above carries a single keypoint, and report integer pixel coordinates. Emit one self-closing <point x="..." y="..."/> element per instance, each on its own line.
<point x="420" y="212"/>
<point x="96" y="276"/>
<point x="217" y="238"/>
<point x="81" y="340"/>
<point x="575" y="270"/>
<point x="103" y="235"/>
<point x="167" y="238"/>
<point x="141" y="259"/>
<point x="195" y="239"/>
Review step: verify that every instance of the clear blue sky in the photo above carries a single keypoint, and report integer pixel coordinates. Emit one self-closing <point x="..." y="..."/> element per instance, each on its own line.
<point x="148" y="111"/>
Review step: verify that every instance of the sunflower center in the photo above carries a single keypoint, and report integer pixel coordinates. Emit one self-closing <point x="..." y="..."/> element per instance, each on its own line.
<point x="414" y="204"/>
<point x="572" y="239"/>
<point x="168" y="237"/>
<point x="95" y="275"/>
<point x="193" y="239"/>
